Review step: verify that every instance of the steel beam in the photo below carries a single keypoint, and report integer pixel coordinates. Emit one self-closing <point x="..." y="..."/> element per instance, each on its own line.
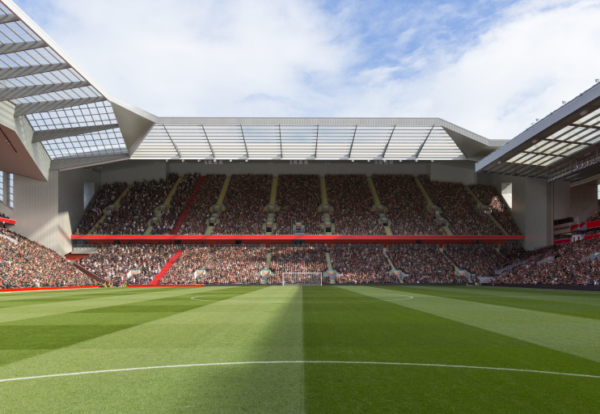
<point x="25" y="91"/>
<point x="21" y="46"/>
<point x="31" y="70"/>
<point x="40" y="136"/>
<point x="33" y="108"/>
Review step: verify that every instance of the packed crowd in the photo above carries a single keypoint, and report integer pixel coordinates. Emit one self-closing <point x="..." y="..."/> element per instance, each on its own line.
<point x="423" y="264"/>
<point x="594" y="217"/>
<point x="107" y="195"/>
<point x="137" y="207"/>
<point x="112" y="262"/>
<point x="407" y="208"/>
<point x="352" y="203"/>
<point x="459" y="208"/>
<point x="245" y="200"/>
<point x="572" y="265"/>
<point x="27" y="264"/>
<point x="357" y="264"/>
<point x="178" y="202"/>
<point x="236" y="264"/>
<point x="183" y="272"/>
<point x="480" y="260"/>
<point x="488" y="195"/>
<point x="298" y="198"/>
<point x="290" y="259"/>
<point x="208" y="196"/>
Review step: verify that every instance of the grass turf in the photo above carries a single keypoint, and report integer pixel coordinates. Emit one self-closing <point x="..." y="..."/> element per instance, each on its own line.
<point x="45" y="333"/>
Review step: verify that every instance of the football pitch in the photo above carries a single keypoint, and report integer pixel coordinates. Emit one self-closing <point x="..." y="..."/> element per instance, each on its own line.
<point x="292" y="349"/>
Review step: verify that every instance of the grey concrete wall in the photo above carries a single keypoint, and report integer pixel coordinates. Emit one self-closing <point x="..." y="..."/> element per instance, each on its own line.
<point x="71" y="193"/>
<point x="37" y="213"/>
<point x="584" y="201"/>
<point x="129" y="174"/>
<point x="561" y="200"/>
<point x="459" y="172"/>
<point x="530" y="209"/>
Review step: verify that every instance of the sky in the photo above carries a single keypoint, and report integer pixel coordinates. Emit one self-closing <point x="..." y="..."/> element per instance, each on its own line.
<point x="490" y="66"/>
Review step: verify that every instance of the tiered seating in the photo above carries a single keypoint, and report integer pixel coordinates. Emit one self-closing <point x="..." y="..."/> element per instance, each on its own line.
<point x="106" y="196"/>
<point x="459" y="208"/>
<point x="480" y="260"/>
<point x="488" y="195"/>
<point x="568" y="267"/>
<point x="351" y="199"/>
<point x="236" y="264"/>
<point x="297" y="259"/>
<point x="298" y="197"/>
<point x="208" y="196"/>
<point x="406" y="205"/>
<point x="183" y="271"/>
<point x="423" y="263"/>
<point x="360" y="263"/>
<point x="112" y="262"/>
<point x="246" y="197"/>
<point x="137" y="208"/>
<point x="27" y="264"/>
<point x="168" y="220"/>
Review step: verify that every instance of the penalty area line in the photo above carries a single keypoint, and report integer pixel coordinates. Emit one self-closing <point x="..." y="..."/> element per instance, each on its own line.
<point x="217" y="364"/>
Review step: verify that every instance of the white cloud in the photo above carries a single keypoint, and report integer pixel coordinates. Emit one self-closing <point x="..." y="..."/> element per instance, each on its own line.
<point x="294" y="58"/>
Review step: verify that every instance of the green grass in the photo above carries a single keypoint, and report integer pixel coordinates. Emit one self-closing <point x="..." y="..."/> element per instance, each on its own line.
<point x="46" y="333"/>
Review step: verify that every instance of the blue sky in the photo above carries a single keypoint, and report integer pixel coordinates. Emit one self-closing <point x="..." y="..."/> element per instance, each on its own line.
<point x="489" y="66"/>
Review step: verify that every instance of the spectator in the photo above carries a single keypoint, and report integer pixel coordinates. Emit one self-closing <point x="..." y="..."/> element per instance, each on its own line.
<point x="423" y="264"/>
<point x="178" y="202"/>
<point x="235" y="264"/>
<point x="360" y="264"/>
<point x="297" y="262"/>
<point x="245" y="200"/>
<point x="137" y="207"/>
<point x="407" y="208"/>
<point x="208" y="196"/>
<point x="352" y="203"/>
<point x="183" y="271"/>
<point x="298" y="198"/>
<point x="27" y="264"/>
<point x="459" y="208"/>
<point x="107" y="195"/>
<point x="488" y="195"/>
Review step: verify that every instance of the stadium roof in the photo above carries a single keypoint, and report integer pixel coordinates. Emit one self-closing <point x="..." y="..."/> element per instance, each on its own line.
<point x="78" y="124"/>
<point x="564" y="145"/>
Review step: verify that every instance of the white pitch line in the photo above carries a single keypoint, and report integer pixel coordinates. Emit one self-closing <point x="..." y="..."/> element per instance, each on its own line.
<point x="215" y="364"/>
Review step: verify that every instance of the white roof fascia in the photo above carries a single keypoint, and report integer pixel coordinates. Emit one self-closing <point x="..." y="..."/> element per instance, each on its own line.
<point x="564" y="111"/>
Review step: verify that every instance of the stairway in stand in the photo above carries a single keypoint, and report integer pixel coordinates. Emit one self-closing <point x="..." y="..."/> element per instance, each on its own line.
<point x="188" y="206"/>
<point x="166" y="268"/>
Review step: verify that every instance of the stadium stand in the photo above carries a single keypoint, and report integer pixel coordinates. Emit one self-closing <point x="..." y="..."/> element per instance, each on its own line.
<point x="137" y="208"/>
<point x="565" y="264"/>
<point x="481" y="260"/>
<point x="199" y="213"/>
<point x="298" y="197"/>
<point x="488" y="195"/>
<point x="178" y="202"/>
<point x="406" y="205"/>
<point x="288" y="259"/>
<point x="27" y="264"/>
<point x="459" y="208"/>
<point x="112" y="262"/>
<point x="106" y="196"/>
<point x="423" y="264"/>
<point x="183" y="271"/>
<point x="360" y="264"/>
<point x="351" y="199"/>
<point x="246" y="198"/>
<point x="236" y="264"/>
